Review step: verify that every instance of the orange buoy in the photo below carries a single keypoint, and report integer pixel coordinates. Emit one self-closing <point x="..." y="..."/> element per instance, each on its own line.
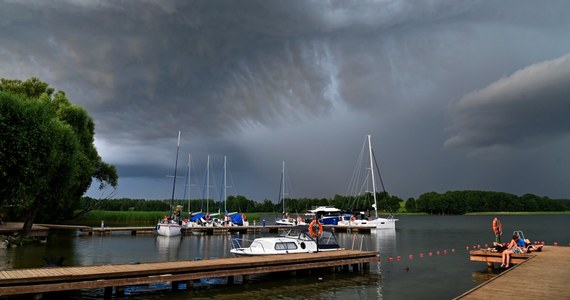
<point x="312" y="229"/>
<point x="497" y="227"/>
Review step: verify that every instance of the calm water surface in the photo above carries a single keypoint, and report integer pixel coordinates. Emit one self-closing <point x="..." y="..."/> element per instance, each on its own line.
<point x="439" y="276"/>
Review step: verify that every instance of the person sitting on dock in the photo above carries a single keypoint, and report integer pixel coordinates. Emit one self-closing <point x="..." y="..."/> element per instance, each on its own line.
<point x="517" y="245"/>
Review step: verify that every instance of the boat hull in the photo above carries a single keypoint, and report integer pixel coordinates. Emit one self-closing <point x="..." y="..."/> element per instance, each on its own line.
<point x="168" y="229"/>
<point x="380" y="223"/>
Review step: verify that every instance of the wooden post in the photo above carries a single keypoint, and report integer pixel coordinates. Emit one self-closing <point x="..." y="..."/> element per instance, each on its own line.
<point x="108" y="292"/>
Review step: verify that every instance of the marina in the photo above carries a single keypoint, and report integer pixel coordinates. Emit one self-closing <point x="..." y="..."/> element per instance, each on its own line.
<point x="423" y="252"/>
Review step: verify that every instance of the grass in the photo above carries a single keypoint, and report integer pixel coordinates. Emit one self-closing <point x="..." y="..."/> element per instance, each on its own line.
<point x="132" y="218"/>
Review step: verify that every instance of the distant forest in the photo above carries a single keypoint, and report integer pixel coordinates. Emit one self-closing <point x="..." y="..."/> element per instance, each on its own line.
<point x="449" y="203"/>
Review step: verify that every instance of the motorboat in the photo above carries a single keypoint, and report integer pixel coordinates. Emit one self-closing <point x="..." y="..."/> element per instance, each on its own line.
<point x="288" y="221"/>
<point x="327" y="215"/>
<point x="297" y="239"/>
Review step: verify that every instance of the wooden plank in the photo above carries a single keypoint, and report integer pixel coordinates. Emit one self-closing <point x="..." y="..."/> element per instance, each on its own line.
<point x="542" y="276"/>
<point x="246" y="270"/>
<point x="200" y="267"/>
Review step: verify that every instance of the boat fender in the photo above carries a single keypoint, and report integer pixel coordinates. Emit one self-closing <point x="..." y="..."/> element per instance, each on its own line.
<point x="207" y="217"/>
<point x="312" y="229"/>
<point x="352" y="218"/>
<point x="243" y="217"/>
<point x="303" y="246"/>
<point x="157" y="227"/>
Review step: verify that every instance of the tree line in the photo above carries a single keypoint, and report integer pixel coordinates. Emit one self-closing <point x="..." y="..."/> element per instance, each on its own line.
<point x="461" y="202"/>
<point x="242" y="204"/>
<point x="448" y="203"/>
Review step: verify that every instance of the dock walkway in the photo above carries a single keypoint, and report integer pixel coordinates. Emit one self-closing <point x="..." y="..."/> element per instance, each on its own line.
<point x="40" y="280"/>
<point x="543" y="275"/>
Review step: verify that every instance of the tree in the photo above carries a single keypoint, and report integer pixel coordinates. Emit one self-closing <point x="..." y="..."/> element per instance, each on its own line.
<point x="47" y="156"/>
<point x="411" y="205"/>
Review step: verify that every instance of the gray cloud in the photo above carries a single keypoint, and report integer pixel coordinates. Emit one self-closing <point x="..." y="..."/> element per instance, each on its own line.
<point x="531" y="106"/>
<point x="302" y="81"/>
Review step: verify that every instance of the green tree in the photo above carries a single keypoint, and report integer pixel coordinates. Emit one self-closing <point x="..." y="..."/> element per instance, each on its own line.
<point x="47" y="156"/>
<point x="411" y="205"/>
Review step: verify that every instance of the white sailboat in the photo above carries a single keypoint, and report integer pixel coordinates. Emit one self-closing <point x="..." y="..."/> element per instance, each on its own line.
<point x="171" y="225"/>
<point x="376" y="222"/>
<point x="287" y="219"/>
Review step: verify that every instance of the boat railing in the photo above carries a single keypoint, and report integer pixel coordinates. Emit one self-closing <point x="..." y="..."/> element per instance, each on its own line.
<point x="358" y="242"/>
<point x="238" y="243"/>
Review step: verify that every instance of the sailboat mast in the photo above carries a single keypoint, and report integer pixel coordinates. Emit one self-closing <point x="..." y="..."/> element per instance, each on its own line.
<point x="283" y="186"/>
<point x="174" y="181"/>
<point x="187" y="190"/>
<point x="224" y="194"/>
<point x="208" y="185"/>
<point x="372" y="174"/>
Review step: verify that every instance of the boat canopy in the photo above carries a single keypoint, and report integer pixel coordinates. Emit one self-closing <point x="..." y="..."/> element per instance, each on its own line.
<point x="197" y="216"/>
<point x="237" y="219"/>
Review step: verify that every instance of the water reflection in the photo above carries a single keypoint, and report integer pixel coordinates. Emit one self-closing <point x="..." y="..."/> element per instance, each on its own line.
<point x="168" y="247"/>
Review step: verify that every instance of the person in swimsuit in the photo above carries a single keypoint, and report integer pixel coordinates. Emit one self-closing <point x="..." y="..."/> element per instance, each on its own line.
<point x="517" y="245"/>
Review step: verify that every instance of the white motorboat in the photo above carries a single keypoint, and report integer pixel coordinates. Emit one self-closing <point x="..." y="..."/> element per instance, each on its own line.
<point x="297" y="239"/>
<point x="328" y="215"/>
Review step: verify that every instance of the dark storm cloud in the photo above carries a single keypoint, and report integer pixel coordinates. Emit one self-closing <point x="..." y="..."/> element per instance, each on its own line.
<point x="529" y="107"/>
<point x="300" y="81"/>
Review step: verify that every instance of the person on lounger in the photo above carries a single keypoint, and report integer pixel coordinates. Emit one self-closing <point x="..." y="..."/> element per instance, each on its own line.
<point x="517" y="245"/>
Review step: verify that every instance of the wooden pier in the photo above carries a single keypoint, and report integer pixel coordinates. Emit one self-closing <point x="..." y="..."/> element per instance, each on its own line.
<point x="55" y="279"/>
<point x="42" y="229"/>
<point x="542" y="275"/>
<point x="496" y="257"/>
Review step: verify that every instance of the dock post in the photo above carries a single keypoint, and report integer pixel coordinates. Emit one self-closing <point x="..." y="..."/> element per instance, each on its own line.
<point x="230" y="280"/>
<point x="490" y="265"/>
<point x="355" y="267"/>
<point x="120" y="291"/>
<point x="244" y="278"/>
<point x="176" y="284"/>
<point x="108" y="292"/>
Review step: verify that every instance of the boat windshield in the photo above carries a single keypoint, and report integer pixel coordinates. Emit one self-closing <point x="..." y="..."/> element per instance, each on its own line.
<point x="327" y="240"/>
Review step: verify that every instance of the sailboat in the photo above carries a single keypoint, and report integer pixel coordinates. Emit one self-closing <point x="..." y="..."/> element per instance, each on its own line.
<point x="287" y="219"/>
<point x="375" y="222"/>
<point x="230" y="218"/>
<point x="171" y="225"/>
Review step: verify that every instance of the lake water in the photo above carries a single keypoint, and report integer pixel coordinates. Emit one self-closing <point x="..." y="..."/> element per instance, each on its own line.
<point x="445" y="274"/>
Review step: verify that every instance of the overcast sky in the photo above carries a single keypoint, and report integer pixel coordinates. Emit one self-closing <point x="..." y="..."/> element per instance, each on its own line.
<point x="457" y="95"/>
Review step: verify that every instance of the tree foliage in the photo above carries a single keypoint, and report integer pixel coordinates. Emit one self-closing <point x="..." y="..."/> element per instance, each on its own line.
<point x="47" y="156"/>
<point x="461" y="202"/>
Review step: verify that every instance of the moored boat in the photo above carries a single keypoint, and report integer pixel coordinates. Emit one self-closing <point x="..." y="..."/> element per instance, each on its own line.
<point x="171" y="225"/>
<point x="297" y="239"/>
<point x="360" y="219"/>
